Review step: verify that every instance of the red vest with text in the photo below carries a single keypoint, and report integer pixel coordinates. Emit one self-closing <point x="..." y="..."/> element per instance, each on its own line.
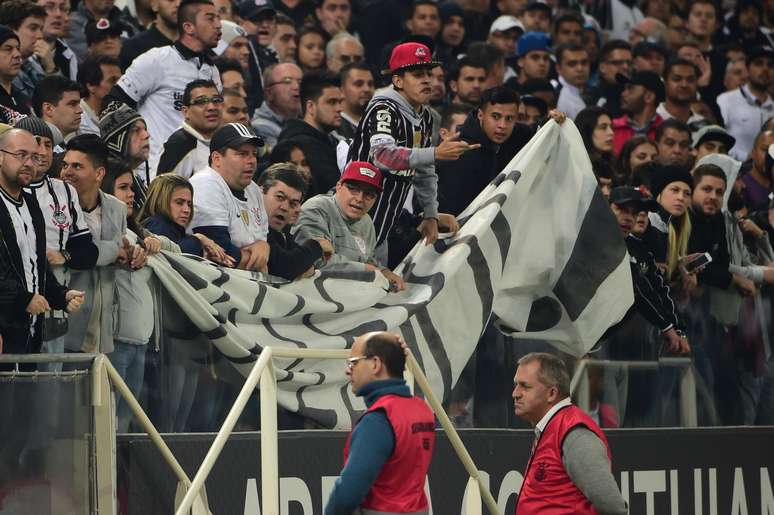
<point x="400" y="486"/>
<point x="547" y="489"/>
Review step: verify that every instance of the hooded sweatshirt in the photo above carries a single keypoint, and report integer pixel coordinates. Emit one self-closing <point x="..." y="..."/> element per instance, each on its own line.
<point x="397" y="139"/>
<point x="320" y="151"/>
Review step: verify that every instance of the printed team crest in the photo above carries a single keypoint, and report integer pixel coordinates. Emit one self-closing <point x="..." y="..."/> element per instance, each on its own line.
<point x="540" y="473"/>
<point x="256" y="215"/>
<point x="360" y="244"/>
<point x="59" y="218"/>
<point x="421" y="53"/>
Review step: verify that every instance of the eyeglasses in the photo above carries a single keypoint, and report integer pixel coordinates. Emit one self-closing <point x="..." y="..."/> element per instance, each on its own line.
<point x="346" y="59"/>
<point x="354" y="189"/>
<point x="201" y="101"/>
<point x="23" y="156"/>
<point x="285" y="81"/>
<point x="351" y="362"/>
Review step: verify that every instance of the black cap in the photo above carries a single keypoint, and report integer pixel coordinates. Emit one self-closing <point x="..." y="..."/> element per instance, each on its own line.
<point x="449" y="9"/>
<point x="6" y="33"/>
<point x="250" y="9"/>
<point x="759" y="51"/>
<point x="102" y="29"/>
<point x="665" y="175"/>
<point x="649" y="80"/>
<point x="538" y="4"/>
<point x="643" y="48"/>
<point x="713" y="133"/>
<point x="233" y="135"/>
<point x="629" y="195"/>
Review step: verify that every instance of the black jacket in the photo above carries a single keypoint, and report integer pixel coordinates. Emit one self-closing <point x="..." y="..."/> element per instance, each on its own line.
<point x="611" y="93"/>
<point x="708" y="234"/>
<point x="320" y="151"/>
<point x="287" y="258"/>
<point x="14" y="297"/>
<point x="651" y="293"/>
<point x="460" y="181"/>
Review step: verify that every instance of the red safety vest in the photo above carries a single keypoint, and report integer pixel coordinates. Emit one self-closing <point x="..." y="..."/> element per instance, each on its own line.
<point x="400" y="486"/>
<point x="547" y="489"/>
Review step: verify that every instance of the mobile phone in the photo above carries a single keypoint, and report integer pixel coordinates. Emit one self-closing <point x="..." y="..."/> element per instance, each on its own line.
<point x="700" y="261"/>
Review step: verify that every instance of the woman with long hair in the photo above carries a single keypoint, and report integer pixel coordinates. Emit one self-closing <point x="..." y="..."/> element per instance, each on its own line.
<point x="596" y="129"/>
<point x="635" y="152"/>
<point x="169" y="209"/>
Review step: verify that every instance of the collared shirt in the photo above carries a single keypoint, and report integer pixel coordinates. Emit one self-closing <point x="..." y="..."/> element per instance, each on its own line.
<point x="89" y="120"/>
<point x="570" y="100"/>
<point x="695" y="121"/>
<point x="541" y="426"/>
<point x="743" y="117"/>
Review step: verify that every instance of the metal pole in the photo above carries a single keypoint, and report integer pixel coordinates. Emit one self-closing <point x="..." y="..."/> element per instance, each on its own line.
<point x="225" y="431"/>
<point x="284" y="352"/>
<point x="451" y="433"/>
<point x="269" y="442"/>
<point x="145" y="422"/>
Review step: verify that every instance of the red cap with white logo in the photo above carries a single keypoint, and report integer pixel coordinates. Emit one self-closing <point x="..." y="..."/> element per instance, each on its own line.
<point x="410" y="55"/>
<point x="363" y="171"/>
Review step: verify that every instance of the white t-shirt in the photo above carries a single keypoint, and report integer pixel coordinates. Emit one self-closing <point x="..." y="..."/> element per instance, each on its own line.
<point x="216" y="205"/>
<point x="94" y="221"/>
<point x="156" y="80"/>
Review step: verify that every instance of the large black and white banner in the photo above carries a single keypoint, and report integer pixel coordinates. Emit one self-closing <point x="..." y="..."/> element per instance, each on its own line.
<point x="539" y="248"/>
<point x="712" y="471"/>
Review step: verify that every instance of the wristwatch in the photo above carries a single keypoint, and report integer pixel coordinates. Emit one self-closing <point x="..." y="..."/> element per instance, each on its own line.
<point x="66" y="255"/>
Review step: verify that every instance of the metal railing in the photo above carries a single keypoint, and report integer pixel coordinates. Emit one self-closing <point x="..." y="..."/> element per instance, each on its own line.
<point x="579" y="386"/>
<point x="263" y="373"/>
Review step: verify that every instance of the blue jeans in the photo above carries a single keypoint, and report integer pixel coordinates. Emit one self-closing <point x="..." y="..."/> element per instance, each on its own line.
<point x="129" y="361"/>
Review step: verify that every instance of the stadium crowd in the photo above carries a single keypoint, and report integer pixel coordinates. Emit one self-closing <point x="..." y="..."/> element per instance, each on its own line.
<point x="290" y="136"/>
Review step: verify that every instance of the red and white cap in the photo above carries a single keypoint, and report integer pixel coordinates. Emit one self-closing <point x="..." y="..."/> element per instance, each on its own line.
<point x="410" y="55"/>
<point x="363" y="171"/>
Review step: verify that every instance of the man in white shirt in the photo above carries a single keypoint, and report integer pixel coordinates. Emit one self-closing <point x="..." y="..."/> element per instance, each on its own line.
<point x="98" y="74"/>
<point x="228" y="205"/>
<point x="155" y="81"/>
<point x="746" y="109"/>
<point x="573" y="67"/>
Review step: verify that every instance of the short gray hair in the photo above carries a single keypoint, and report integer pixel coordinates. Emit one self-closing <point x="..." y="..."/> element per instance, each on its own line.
<point x="330" y="49"/>
<point x="552" y="371"/>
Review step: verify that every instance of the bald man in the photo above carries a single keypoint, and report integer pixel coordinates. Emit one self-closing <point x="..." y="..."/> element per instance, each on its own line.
<point x="389" y="450"/>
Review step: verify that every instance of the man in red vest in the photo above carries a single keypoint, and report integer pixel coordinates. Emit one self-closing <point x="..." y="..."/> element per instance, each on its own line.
<point x="569" y="469"/>
<point x="389" y="450"/>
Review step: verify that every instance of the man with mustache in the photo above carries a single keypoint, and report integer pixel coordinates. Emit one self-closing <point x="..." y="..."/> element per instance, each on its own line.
<point x="342" y="218"/>
<point x="10" y="66"/>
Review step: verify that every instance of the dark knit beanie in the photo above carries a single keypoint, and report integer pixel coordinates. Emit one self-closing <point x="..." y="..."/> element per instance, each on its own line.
<point x="35" y="126"/>
<point x="665" y="175"/>
<point x="6" y="33"/>
<point x="114" y="124"/>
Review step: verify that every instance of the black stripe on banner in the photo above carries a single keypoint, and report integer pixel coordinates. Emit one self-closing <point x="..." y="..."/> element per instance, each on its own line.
<point x="350" y="334"/>
<point x="300" y="303"/>
<point x="410" y="337"/>
<point x="319" y="284"/>
<point x="196" y="282"/>
<point x="262" y="289"/>
<point x="224" y="297"/>
<point x="598" y="251"/>
<point x="435" y="344"/>
<point x="221" y="280"/>
<point x="327" y="417"/>
<point x="354" y="414"/>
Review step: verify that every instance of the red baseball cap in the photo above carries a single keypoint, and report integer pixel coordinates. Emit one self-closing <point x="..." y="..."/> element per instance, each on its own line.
<point x="363" y="171"/>
<point x="410" y="55"/>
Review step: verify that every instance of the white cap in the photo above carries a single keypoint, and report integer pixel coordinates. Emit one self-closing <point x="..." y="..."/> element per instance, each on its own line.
<point x="230" y="31"/>
<point x="505" y="22"/>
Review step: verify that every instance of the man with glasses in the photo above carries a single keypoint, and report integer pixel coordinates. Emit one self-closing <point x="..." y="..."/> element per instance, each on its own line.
<point x="283" y="187"/>
<point x="188" y="149"/>
<point x="281" y="101"/>
<point x="342" y="218"/>
<point x="343" y="49"/>
<point x="615" y="59"/>
<point x="29" y="286"/>
<point x="390" y="448"/>
<point x="228" y="205"/>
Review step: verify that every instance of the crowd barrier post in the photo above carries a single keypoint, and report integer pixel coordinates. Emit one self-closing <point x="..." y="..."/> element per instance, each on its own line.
<point x="225" y="431"/>
<point x="269" y="441"/>
<point x="104" y="437"/>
